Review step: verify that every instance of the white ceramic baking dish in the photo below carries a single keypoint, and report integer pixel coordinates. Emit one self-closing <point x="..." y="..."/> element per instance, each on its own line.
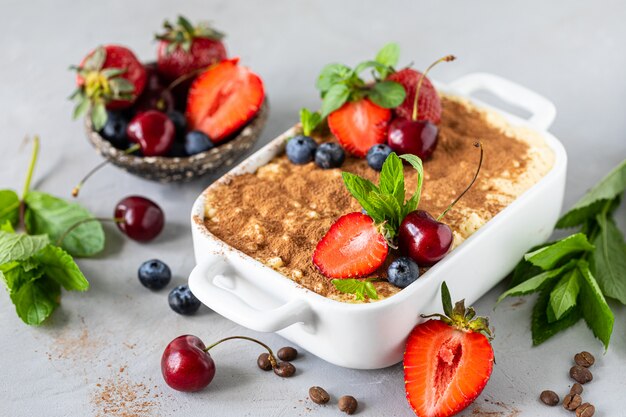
<point x="371" y="336"/>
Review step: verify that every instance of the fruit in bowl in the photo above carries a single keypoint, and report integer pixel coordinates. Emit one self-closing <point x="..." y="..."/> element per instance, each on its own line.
<point x="188" y="113"/>
<point x="377" y="220"/>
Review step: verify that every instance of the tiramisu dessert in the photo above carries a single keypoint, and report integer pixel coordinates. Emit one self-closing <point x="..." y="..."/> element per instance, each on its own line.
<point x="350" y="211"/>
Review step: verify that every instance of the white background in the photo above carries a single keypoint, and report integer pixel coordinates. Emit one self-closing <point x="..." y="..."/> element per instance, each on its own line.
<point x="570" y="51"/>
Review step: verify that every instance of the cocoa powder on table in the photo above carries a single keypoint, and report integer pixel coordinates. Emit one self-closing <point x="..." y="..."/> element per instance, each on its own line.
<point x="278" y="214"/>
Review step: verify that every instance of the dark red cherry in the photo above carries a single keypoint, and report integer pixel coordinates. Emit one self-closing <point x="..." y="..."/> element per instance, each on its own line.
<point x="417" y="137"/>
<point x="153" y="131"/>
<point x="186" y="366"/>
<point x="139" y="218"/>
<point x="423" y="238"/>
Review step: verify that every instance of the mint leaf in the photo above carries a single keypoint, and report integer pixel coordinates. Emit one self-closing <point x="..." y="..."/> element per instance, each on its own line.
<point x="309" y="120"/>
<point x="541" y="328"/>
<point x="524" y="270"/>
<point x="549" y="256"/>
<point x="563" y="296"/>
<point x="380" y="68"/>
<point x="335" y="97"/>
<point x="332" y="74"/>
<point x="54" y="216"/>
<point x="595" y="310"/>
<point x="36" y="300"/>
<point x="7" y="227"/>
<point x="391" y="180"/>
<point x="387" y="94"/>
<point x="536" y="283"/>
<point x="9" y="206"/>
<point x="18" y="246"/>
<point x="389" y="55"/>
<point x="15" y="275"/>
<point x="608" y="262"/>
<point x="359" y="288"/>
<point x="59" y="266"/>
<point x="362" y="189"/>
<point x="414" y="201"/>
<point x="610" y="187"/>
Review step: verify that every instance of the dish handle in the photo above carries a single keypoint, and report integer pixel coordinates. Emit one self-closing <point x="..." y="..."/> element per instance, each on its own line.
<point x="215" y="268"/>
<point x="542" y="110"/>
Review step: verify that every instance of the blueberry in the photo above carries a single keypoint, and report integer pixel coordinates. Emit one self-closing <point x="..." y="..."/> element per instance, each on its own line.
<point x="178" y="150"/>
<point x="301" y="149"/>
<point x="377" y="155"/>
<point x="114" y="129"/>
<point x="180" y="123"/>
<point x="402" y="272"/>
<point x="196" y="142"/>
<point x="183" y="301"/>
<point x="154" y="274"/>
<point x="329" y="155"/>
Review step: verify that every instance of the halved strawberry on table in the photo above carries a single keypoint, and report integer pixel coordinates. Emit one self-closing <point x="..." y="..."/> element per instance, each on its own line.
<point x="447" y="362"/>
<point x="184" y="48"/>
<point x="223" y="99"/>
<point x="353" y="247"/>
<point x="359" y="125"/>
<point x="109" y="77"/>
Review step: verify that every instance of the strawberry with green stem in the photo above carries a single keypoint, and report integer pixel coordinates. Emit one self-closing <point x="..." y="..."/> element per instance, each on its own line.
<point x="447" y="362"/>
<point x="358" y="112"/>
<point x="184" y="48"/>
<point x="110" y="77"/>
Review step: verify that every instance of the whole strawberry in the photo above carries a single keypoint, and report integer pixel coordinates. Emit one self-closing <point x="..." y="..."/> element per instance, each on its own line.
<point x="429" y="104"/>
<point x="447" y="362"/>
<point x="109" y="77"/>
<point x="184" y="48"/>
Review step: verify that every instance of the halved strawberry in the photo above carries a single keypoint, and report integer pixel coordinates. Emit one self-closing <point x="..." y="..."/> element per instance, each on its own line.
<point x="352" y="247"/>
<point x="359" y="125"/>
<point x="447" y="362"/>
<point x="223" y="99"/>
<point x="429" y="104"/>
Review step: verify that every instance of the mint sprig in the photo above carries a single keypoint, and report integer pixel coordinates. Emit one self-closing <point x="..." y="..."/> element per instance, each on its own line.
<point x="32" y="267"/>
<point x="309" y="120"/>
<point x="576" y="274"/>
<point x="358" y="287"/>
<point x="385" y="203"/>
<point x="339" y="83"/>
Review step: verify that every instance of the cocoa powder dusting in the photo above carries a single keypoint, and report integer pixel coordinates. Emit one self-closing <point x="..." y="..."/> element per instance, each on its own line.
<point x="278" y="214"/>
<point x="121" y="397"/>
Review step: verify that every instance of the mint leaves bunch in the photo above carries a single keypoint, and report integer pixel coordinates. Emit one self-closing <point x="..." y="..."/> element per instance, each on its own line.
<point x="339" y="84"/>
<point x="359" y="287"/>
<point x="575" y="275"/>
<point x="385" y="203"/>
<point x="36" y="264"/>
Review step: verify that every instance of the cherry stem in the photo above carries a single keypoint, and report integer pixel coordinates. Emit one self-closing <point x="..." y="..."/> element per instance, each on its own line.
<point x="76" y="189"/>
<point x="184" y="78"/>
<point x="83" y="221"/>
<point x="480" y="164"/>
<point x="272" y="358"/>
<point x="446" y="58"/>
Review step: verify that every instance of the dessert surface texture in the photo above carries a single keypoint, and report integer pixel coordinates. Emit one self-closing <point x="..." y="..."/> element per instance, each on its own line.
<point x="279" y="213"/>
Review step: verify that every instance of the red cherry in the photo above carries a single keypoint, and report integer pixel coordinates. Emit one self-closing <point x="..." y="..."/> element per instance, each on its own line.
<point x="186" y="366"/>
<point x="417" y="137"/>
<point x="139" y="218"/>
<point x="424" y="239"/>
<point x="414" y="136"/>
<point x="153" y="131"/>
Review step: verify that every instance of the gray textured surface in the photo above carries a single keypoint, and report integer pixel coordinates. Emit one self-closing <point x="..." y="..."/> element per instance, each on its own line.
<point x="570" y="51"/>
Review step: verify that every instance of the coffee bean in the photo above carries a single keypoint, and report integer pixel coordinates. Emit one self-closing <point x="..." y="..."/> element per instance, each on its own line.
<point x="287" y="353"/>
<point x="576" y="389"/>
<point x="572" y="401"/>
<point x="348" y="404"/>
<point x="585" y="359"/>
<point x="580" y="374"/>
<point x="285" y="369"/>
<point x="264" y="361"/>
<point x="585" y="410"/>
<point x="318" y="395"/>
<point x="549" y="398"/>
